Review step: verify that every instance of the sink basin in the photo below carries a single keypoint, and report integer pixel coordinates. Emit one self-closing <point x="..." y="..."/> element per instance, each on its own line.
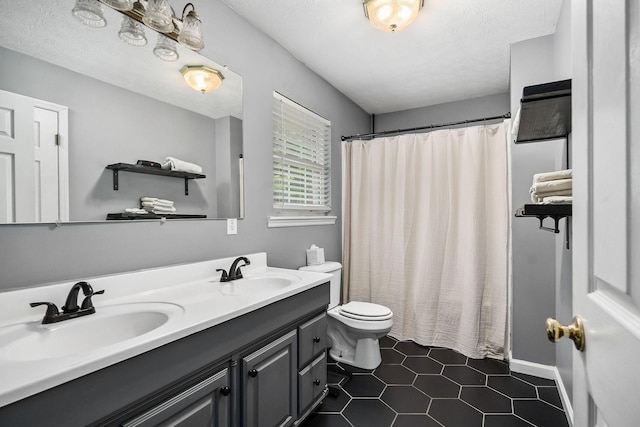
<point x="258" y="285"/>
<point x="109" y="325"/>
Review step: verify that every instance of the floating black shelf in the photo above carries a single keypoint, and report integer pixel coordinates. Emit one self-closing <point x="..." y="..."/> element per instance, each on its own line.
<point x="545" y="112"/>
<point x="126" y="167"/>
<point x="540" y="211"/>
<point x="132" y="216"/>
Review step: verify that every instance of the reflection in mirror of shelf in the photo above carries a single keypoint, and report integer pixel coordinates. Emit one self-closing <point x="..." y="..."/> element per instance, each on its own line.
<point x="138" y="107"/>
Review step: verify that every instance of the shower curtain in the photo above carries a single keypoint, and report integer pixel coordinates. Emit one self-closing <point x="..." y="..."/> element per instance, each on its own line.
<point x="426" y="233"/>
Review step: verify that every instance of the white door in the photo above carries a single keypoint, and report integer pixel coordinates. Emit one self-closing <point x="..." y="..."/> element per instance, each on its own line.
<point x="606" y="214"/>
<point x="33" y="160"/>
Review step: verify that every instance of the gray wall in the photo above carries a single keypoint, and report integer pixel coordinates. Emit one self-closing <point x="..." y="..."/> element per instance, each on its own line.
<point x="564" y="285"/>
<point x="108" y="124"/>
<point x="485" y="106"/>
<point x="534" y="261"/>
<point x="37" y="254"/>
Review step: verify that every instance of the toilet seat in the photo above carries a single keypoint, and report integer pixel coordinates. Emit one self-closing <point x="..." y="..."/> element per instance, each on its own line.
<point x="366" y="311"/>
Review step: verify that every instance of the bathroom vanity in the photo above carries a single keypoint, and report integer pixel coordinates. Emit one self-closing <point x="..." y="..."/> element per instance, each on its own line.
<point x="234" y="356"/>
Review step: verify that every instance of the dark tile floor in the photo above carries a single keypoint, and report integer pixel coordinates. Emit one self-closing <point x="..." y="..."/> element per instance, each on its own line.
<point x="435" y="387"/>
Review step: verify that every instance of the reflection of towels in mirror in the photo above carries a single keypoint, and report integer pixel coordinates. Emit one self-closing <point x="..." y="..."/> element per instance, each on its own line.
<point x="171" y="163"/>
<point x="157" y="206"/>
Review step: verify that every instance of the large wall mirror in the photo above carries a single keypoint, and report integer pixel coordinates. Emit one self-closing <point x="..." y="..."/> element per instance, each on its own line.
<point x="108" y="102"/>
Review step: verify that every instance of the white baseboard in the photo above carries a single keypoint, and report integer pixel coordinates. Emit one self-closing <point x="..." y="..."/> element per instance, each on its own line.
<point x="548" y="372"/>
<point x="564" y="397"/>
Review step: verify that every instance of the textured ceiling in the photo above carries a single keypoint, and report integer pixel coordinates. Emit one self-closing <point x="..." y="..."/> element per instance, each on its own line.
<point x="46" y="30"/>
<point x="456" y="49"/>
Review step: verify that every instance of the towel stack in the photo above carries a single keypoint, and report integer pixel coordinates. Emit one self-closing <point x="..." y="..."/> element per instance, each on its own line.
<point x="552" y="187"/>
<point x="171" y="163"/>
<point x="157" y="206"/>
<point x="138" y="211"/>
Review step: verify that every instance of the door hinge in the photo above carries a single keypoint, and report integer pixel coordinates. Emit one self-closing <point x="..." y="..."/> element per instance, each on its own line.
<point x="57" y="139"/>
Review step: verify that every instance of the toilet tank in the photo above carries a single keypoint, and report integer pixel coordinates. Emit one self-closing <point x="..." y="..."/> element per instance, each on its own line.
<point x="335" y="269"/>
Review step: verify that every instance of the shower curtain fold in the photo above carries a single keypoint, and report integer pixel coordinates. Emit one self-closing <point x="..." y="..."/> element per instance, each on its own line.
<point x="426" y="233"/>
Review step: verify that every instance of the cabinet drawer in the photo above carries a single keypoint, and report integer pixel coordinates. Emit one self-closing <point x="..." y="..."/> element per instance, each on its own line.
<point x="204" y="404"/>
<point x="312" y="381"/>
<point x="312" y="339"/>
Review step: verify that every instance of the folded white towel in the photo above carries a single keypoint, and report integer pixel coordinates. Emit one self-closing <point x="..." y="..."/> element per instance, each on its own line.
<point x="156" y="205"/>
<point x="174" y="164"/>
<point x="135" y="211"/>
<point x="157" y="201"/>
<point x="539" y="197"/>
<point x="556" y="200"/>
<point x="548" y="186"/>
<point x="551" y="176"/>
<point x="156" y="209"/>
<point x="515" y="124"/>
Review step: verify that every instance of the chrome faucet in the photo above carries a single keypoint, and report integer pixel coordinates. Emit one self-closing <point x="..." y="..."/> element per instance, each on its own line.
<point x="70" y="309"/>
<point x="234" y="270"/>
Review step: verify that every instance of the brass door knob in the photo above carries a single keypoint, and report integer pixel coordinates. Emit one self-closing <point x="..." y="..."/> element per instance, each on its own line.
<point x="574" y="331"/>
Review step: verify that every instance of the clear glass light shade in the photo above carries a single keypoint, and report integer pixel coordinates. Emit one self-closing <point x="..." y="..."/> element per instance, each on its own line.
<point x="166" y="49"/>
<point x="132" y="32"/>
<point x="119" y="4"/>
<point x="90" y="13"/>
<point x="158" y="16"/>
<point x="191" y="32"/>
<point x="391" y="15"/>
<point x="202" y="78"/>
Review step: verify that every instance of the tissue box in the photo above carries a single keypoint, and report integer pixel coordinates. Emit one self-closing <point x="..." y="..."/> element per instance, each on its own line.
<point x="315" y="255"/>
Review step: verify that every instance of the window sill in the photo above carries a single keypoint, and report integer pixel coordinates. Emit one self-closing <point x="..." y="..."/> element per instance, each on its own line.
<point x="300" y="221"/>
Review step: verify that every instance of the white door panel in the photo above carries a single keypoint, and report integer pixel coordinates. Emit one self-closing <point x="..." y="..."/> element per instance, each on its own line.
<point x="33" y="167"/>
<point x="606" y="200"/>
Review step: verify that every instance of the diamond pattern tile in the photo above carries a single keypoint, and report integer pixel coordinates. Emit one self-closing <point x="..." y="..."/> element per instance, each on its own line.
<point x="369" y="412"/>
<point x="423" y="365"/>
<point x="448" y="357"/>
<point x="395" y="374"/>
<point x="406" y="399"/>
<point x="360" y="385"/>
<point x="391" y="356"/>
<point x="410" y="348"/>
<point x="436" y="387"/>
<point x="454" y="413"/>
<point x="464" y="375"/>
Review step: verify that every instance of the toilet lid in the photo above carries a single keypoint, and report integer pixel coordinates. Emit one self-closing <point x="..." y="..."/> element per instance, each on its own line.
<point x="365" y="311"/>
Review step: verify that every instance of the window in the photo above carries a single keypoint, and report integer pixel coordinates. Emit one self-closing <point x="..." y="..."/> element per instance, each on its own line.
<point x="301" y="164"/>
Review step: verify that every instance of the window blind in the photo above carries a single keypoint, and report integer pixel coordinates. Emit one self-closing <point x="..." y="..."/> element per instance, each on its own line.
<point x="301" y="158"/>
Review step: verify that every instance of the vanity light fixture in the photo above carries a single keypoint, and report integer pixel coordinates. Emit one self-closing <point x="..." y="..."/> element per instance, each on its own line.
<point x="391" y="15"/>
<point x="155" y="14"/>
<point x="132" y="32"/>
<point x="165" y="49"/>
<point x="90" y="13"/>
<point x="191" y="32"/>
<point x="202" y="78"/>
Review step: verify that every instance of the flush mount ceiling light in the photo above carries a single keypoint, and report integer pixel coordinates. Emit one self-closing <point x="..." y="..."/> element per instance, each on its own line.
<point x="202" y="78"/>
<point x="391" y="15"/>
<point x="155" y="14"/>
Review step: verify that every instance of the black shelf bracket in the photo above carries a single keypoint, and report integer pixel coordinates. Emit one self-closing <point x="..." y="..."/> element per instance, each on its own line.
<point x="116" y="167"/>
<point x="555" y="212"/>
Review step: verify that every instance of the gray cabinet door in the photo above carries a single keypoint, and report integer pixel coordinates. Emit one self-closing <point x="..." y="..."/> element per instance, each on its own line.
<point x="269" y="377"/>
<point x="206" y="404"/>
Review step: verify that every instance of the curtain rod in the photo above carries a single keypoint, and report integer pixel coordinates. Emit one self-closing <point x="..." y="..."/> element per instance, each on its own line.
<point x="441" y="125"/>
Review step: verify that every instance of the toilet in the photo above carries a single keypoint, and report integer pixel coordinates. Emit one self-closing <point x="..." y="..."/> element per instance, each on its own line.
<point x="353" y="328"/>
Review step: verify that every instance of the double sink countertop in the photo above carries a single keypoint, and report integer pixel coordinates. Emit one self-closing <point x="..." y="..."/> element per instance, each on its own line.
<point x="138" y="312"/>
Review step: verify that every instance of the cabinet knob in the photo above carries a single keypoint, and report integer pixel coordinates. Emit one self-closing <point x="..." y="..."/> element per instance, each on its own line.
<point x="316" y="382"/>
<point x="316" y="339"/>
<point x="253" y="373"/>
<point x="225" y="391"/>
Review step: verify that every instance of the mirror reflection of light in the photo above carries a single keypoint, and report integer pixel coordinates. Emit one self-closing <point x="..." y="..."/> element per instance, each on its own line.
<point x="202" y="78"/>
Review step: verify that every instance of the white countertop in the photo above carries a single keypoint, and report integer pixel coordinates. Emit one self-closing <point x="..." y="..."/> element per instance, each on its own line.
<point x="197" y="297"/>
